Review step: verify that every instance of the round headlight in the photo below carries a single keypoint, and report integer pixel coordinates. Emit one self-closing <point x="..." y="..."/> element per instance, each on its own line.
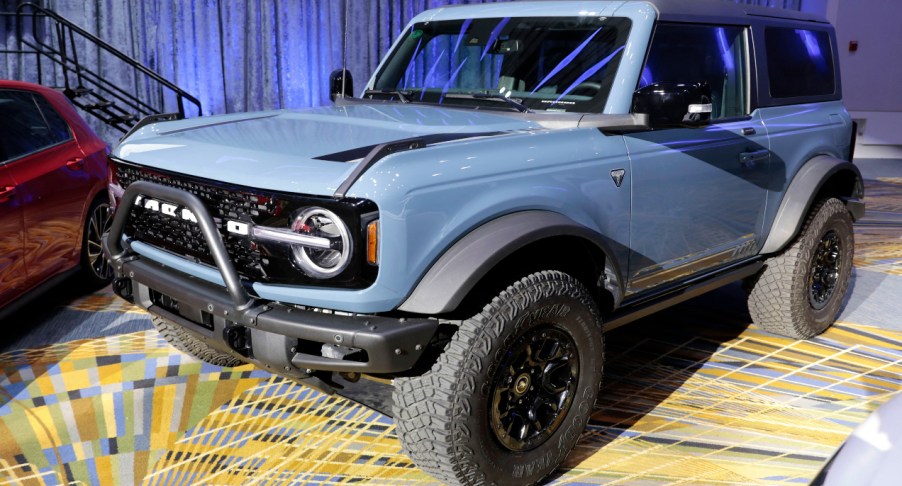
<point x="322" y="260"/>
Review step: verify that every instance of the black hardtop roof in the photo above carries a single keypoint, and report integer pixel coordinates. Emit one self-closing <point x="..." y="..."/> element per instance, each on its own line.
<point x="718" y="11"/>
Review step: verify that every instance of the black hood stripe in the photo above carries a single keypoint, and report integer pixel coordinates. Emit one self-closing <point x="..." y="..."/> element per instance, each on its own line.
<point x="361" y="152"/>
<point x="374" y="153"/>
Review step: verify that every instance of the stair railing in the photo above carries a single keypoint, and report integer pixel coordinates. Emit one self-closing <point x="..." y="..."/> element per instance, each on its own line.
<point x="57" y="39"/>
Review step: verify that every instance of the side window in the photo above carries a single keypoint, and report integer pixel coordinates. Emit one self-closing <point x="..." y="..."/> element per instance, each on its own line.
<point x="799" y="62"/>
<point x="23" y="128"/>
<point x="59" y="130"/>
<point x="682" y="53"/>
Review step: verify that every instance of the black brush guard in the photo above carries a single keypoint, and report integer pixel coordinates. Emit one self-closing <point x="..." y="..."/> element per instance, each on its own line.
<point x="282" y="338"/>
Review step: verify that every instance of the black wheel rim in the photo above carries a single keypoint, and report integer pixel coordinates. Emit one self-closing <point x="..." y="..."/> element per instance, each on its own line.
<point x="825" y="270"/>
<point x="98" y="224"/>
<point x="533" y="387"/>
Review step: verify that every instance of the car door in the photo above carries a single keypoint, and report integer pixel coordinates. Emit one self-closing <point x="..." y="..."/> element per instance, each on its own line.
<point x="12" y="268"/>
<point x="46" y="164"/>
<point x="698" y="193"/>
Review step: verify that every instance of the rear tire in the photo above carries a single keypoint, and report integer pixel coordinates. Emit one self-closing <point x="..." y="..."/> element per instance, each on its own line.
<point x="512" y="392"/>
<point x="800" y="290"/>
<point x="185" y="342"/>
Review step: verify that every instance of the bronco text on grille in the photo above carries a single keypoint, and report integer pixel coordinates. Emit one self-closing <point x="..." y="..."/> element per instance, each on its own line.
<point x="173" y="228"/>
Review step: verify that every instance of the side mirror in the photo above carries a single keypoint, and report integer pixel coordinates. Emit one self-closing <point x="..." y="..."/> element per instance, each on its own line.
<point x="671" y="105"/>
<point x="341" y="84"/>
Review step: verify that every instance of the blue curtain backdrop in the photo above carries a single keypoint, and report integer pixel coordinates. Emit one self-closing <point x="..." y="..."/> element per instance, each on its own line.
<point x="253" y="54"/>
<point x="243" y="55"/>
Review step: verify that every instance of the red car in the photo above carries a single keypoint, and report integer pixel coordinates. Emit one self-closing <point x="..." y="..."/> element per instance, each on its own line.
<point x="53" y="194"/>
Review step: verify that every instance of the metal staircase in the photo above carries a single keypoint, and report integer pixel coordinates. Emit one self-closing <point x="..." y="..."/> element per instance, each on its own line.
<point x="97" y="77"/>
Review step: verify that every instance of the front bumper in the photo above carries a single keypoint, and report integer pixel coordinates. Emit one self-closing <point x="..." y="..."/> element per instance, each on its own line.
<point x="285" y="339"/>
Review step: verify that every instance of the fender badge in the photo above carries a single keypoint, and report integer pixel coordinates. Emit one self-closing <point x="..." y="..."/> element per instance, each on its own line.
<point x="617" y="175"/>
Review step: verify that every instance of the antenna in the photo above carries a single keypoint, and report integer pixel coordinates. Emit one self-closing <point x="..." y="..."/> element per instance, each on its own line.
<point x="340" y="80"/>
<point x="344" y="54"/>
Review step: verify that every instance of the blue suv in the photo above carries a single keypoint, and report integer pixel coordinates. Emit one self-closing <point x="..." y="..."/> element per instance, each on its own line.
<point x="514" y="180"/>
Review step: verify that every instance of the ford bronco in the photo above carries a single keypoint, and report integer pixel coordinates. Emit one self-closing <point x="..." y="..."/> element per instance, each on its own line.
<point x="515" y="179"/>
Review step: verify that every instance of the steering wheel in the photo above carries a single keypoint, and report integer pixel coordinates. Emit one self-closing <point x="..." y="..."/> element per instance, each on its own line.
<point x="586" y="89"/>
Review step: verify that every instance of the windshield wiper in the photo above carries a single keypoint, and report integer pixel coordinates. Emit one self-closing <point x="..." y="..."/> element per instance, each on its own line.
<point x="401" y="95"/>
<point x="515" y="103"/>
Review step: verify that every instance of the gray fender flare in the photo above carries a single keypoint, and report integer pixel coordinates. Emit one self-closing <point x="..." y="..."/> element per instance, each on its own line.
<point x="800" y="196"/>
<point x="467" y="261"/>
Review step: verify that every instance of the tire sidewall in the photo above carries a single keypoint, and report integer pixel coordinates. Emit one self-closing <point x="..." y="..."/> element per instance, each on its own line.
<point x="576" y="317"/>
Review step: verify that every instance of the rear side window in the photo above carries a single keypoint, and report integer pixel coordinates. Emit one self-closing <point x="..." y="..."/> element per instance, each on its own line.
<point x="799" y="62"/>
<point x="59" y="130"/>
<point x="25" y="127"/>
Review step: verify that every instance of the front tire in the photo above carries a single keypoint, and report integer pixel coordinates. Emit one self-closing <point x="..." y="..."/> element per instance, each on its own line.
<point x="185" y="342"/>
<point x="507" y="400"/>
<point x="800" y="290"/>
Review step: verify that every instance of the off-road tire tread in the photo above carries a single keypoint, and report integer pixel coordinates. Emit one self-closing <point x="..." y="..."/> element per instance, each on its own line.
<point x="425" y="407"/>
<point x="190" y="345"/>
<point x="771" y="301"/>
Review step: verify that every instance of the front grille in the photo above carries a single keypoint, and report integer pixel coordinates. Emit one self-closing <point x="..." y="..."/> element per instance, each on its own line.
<point x="222" y="202"/>
<point x="257" y="261"/>
<point x="184" y="237"/>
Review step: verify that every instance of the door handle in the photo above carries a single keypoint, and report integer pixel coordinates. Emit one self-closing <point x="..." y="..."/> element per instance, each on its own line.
<point x="748" y="159"/>
<point x="6" y="193"/>
<point x="76" y="163"/>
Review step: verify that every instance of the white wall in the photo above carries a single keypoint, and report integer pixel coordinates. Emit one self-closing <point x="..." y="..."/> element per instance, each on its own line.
<point x="872" y="76"/>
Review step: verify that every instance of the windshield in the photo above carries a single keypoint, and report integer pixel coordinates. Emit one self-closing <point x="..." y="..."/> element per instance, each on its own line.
<point x="551" y="64"/>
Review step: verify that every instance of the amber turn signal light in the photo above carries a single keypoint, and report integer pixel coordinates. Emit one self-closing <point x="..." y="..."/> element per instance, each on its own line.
<point x="372" y="242"/>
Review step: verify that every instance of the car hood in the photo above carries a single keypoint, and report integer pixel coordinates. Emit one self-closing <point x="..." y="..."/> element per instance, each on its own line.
<point x="306" y="151"/>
